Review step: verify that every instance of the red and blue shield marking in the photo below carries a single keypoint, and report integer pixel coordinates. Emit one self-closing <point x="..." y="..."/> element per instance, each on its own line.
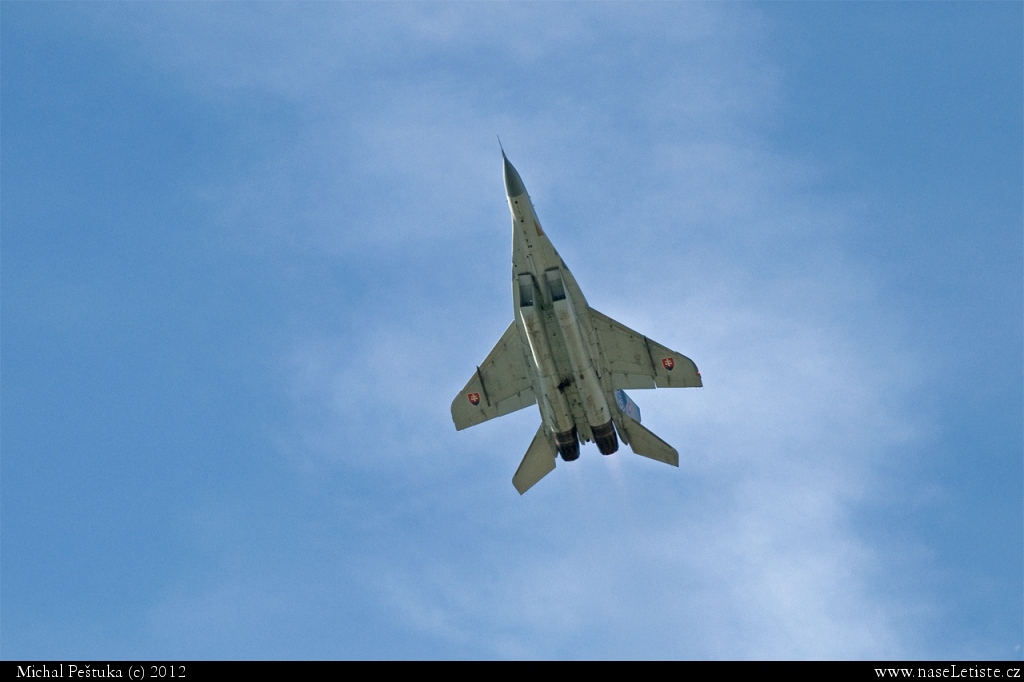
<point x="669" y="363"/>
<point x="474" y="398"/>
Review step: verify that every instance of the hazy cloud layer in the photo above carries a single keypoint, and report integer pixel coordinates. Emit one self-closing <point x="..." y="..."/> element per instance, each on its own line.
<point x="367" y="186"/>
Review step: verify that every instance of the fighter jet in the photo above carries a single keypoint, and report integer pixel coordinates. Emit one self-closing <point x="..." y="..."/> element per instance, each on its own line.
<point x="566" y="357"/>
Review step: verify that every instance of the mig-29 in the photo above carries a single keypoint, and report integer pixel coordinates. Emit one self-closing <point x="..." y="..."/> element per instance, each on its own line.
<point x="566" y="357"/>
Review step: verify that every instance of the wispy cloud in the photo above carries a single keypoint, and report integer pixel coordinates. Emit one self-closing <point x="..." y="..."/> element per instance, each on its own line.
<point x="753" y="549"/>
<point x="679" y="217"/>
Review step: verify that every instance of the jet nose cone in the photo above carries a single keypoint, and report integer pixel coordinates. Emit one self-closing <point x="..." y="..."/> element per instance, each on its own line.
<point x="513" y="183"/>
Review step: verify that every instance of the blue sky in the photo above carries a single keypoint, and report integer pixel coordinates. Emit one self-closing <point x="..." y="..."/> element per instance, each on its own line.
<point x="250" y="252"/>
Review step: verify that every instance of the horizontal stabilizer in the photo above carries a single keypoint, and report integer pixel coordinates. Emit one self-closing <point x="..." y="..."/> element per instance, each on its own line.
<point x="645" y="443"/>
<point x="538" y="462"/>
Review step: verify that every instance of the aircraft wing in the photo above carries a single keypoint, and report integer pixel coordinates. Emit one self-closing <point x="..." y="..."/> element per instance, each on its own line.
<point x="501" y="384"/>
<point x="635" y="361"/>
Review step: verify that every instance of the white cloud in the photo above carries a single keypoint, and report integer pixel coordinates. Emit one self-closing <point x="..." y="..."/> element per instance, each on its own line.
<point x="752" y="547"/>
<point x="750" y="550"/>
